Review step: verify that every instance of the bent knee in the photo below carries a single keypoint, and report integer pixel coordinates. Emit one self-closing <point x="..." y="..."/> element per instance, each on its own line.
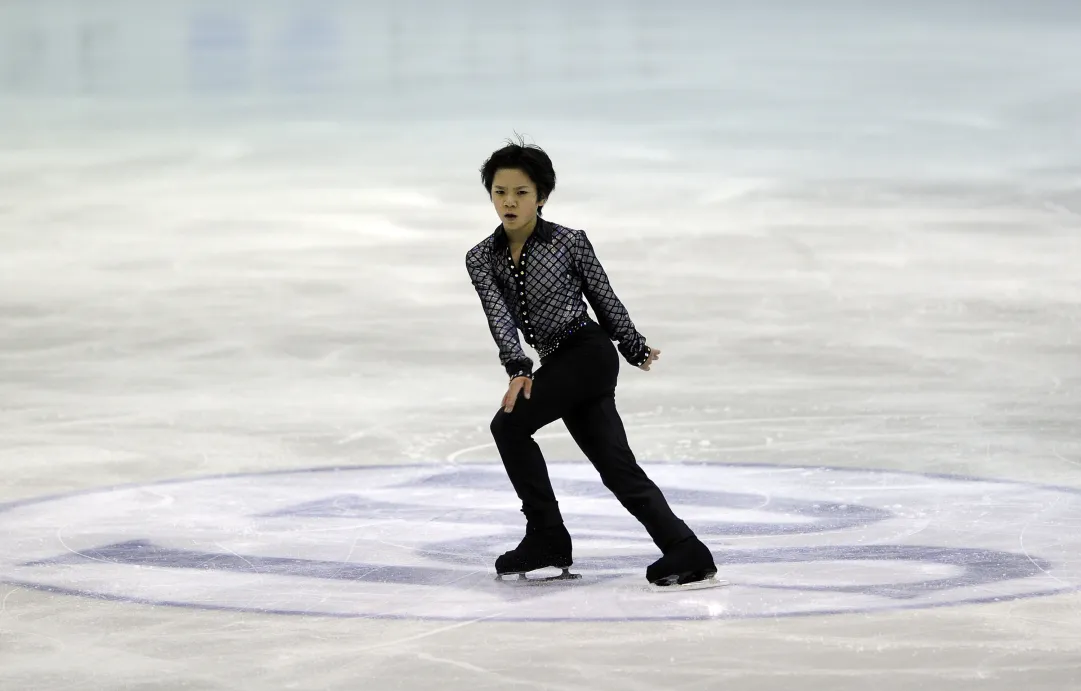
<point x="498" y="423"/>
<point x="510" y="424"/>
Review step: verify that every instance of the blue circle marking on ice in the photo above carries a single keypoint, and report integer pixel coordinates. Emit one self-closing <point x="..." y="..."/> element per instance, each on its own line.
<point x="418" y="541"/>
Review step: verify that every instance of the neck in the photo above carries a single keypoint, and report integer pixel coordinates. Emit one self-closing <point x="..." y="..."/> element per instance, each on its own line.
<point x="519" y="235"/>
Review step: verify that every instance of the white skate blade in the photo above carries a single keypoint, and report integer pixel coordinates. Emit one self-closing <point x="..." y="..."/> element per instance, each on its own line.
<point x="710" y="582"/>
<point x="521" y="579"/>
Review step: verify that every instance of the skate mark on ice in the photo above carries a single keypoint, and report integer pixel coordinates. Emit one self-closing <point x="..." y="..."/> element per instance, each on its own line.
<point x="824" y="515"/>
<point x="144" y="553"/>
<point x="455" y="455"/>
<point x="978" y="567"/>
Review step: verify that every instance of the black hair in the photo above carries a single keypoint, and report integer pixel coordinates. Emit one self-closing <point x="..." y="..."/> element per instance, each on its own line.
<point x="528" y="158"/>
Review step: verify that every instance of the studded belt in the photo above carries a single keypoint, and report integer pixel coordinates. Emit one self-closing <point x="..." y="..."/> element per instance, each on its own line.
<point x="546" y="349"/>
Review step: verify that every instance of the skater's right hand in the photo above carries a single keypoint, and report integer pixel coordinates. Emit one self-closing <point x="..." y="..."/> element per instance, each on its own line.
<point x="517" y="384"/>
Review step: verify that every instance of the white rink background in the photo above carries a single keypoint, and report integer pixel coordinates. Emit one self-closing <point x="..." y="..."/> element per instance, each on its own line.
<point x="232" y="242"/>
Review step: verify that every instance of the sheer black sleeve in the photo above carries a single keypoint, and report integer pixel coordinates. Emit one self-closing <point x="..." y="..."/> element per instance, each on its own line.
<point x="611" y="314"/>
<point x="500" y="318"/>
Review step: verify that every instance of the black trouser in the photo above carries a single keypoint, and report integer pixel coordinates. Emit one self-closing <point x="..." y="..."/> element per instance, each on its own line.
<point x="577" y="383"/>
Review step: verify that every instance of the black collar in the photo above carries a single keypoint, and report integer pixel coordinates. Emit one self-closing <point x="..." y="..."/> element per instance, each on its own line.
<point x="542" y="231"/>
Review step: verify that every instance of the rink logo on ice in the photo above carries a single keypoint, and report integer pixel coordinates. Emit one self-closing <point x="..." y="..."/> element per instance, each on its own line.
<point x="419" y="541"/>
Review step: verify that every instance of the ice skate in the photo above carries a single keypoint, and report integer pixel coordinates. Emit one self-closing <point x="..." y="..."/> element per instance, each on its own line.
<point x="688" y="565"/>
<point x="539" y="549"/>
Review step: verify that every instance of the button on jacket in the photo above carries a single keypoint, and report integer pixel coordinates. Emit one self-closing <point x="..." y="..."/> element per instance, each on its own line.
<point x="542" y="295"/>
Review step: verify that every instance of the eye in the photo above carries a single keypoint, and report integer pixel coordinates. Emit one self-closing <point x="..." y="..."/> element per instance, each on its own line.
<point x="523" y="192"/>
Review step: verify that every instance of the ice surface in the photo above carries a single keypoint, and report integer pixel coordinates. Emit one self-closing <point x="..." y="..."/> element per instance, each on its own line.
<point x="232" y="244"/>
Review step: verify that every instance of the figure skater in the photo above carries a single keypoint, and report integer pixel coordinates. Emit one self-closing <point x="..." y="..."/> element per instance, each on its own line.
<point x="530" y="275"/>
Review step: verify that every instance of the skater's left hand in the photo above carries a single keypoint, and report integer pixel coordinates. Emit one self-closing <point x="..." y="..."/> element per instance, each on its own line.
<point x="653" y="355"/>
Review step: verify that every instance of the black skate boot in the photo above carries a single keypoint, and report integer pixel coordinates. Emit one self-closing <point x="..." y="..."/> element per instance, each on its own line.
<point x="686" y="565"/>
<point x="539" y="549"/>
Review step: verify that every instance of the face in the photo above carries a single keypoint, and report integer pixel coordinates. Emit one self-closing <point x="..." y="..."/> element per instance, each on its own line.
<point x="515" y="199"/>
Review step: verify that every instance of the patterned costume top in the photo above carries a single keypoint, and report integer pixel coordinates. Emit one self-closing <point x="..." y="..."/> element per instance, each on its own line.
<point x="543" y="295"/>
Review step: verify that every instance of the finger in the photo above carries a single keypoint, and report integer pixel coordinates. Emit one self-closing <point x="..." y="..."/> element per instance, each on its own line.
<point x="528" y="387"/>
<point x="511" y="397"/>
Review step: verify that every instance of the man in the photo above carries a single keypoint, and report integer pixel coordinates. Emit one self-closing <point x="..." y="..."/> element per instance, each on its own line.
<point x="531" y="275"/>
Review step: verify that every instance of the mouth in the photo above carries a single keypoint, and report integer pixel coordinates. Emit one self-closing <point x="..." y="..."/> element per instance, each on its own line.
<point x="510" y="217"/>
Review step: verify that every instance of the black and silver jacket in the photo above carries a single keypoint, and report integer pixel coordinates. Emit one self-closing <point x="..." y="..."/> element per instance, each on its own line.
<point x="542" y="296"/>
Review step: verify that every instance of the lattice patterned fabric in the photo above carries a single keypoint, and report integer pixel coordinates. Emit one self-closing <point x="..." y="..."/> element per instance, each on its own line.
<point x="542" y="295"/>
